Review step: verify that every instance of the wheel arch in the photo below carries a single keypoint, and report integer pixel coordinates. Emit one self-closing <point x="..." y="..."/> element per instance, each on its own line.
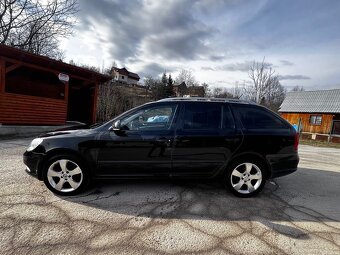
<point x="251" y="155"/>
<point x="60" y="151"/>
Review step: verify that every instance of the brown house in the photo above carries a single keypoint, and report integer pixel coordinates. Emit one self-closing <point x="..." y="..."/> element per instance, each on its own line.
<point x="192" y="91"/>
<point x="36" y="90"/>
<point x="315" y="113"/>
<point x="124" y="76"/>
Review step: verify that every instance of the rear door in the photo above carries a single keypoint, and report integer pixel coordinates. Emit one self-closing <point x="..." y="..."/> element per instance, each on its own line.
<point x="204" y="139"/>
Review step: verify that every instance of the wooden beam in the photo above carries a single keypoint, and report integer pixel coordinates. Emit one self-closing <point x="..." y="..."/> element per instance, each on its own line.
<point x="13" y="67"/>
<point x="46" y="69"/>
<point x="2" y="75"/>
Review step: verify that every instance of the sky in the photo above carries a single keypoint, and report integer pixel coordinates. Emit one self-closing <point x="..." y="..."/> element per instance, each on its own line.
<point x="217" y="40"/>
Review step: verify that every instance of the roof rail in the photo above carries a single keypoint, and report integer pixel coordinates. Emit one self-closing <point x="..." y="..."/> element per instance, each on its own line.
<point x="206" y="99"/>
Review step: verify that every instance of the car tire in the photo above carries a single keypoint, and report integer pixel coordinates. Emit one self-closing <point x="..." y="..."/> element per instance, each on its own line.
<point x="246" y="178"/>
<point x="65" y="175"/>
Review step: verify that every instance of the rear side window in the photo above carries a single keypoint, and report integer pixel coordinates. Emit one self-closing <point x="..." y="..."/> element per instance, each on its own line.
<point x="202" y="116"/>
<point x="257" y="118"/>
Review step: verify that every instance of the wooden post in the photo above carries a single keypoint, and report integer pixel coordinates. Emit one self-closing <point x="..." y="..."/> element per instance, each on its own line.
<point x="66" y="92"/>
<point x="94" y="103"/>
<point x="66" y="98"/>
<point x="2" y="75"/>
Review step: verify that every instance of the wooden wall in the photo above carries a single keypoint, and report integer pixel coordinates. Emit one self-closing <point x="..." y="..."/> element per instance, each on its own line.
<point x="23" y="109"/>
<point x="324" y="128"/>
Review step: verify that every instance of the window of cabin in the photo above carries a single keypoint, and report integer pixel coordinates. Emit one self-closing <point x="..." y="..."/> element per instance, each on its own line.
<point x="315" y="119"/>
<point x="28" y="81"/>
<point x="122" y="77"/>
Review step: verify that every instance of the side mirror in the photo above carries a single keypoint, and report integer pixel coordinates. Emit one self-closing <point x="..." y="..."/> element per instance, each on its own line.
<point x="116" y="126"/>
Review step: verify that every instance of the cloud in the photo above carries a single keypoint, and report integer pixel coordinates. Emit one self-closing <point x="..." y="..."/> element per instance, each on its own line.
<point x="136" y="29"/>
<point x="286" y="63"/>
<point x="242" y="66"/>
<point x="207" y="68"/>
<point x="294" y="77"/>
<point x="154" y="69"/>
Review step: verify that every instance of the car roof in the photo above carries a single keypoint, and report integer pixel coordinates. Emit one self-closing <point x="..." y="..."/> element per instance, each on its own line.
<point x="206" y="99"/>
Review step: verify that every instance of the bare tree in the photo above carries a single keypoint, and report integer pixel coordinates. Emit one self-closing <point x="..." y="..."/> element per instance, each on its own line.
<point x="266" y="88"/>
<point x="261" y="77"/>
<point x="298" y="88"/>
<point x="36" y="26"/>
<point x="187" y="77"/>
<point x="114" y="99"/>
<point x="219" y="92"/>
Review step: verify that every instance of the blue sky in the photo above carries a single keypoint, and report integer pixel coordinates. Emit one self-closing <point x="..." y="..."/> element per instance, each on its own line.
<point x="216" y="39"/>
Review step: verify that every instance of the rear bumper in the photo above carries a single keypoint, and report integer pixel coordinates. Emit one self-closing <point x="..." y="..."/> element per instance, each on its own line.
<point x="32" y="161"/>
<point x="282" y="164"/>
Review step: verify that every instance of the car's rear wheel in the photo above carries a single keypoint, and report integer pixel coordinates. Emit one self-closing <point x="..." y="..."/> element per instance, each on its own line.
<point x="65" y="175"/>
<point x="246" y="178"/>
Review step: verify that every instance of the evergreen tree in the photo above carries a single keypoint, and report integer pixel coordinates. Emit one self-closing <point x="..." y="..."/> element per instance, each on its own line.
<point x="164" y="79"/>
<point x="170" y="87"/>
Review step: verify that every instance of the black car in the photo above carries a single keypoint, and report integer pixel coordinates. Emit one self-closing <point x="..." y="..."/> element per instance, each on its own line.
<point x="239" y="142"/>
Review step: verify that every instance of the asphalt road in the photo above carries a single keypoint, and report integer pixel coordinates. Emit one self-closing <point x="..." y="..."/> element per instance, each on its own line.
<point x="296" y="214"/>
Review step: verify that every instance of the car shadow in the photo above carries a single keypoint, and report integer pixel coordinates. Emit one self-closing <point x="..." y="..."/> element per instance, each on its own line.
<point x="305" y="196"/>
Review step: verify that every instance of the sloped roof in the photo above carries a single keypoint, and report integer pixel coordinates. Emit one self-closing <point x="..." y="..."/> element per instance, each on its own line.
<point x="126" y="72"/>
<point x="56" y="65"/>
<point x="134" y="75"/>
<point x="323" y="101"/>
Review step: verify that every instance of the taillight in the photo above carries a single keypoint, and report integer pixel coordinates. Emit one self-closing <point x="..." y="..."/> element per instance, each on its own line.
<point x="296" y="141"/>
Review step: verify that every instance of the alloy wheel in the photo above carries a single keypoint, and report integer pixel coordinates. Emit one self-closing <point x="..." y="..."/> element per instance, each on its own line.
<point x="246" y="178"/>
<point x="64" y="175"/>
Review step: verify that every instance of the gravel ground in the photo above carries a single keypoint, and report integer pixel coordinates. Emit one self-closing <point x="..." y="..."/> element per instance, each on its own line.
<point x="296" y="214"/>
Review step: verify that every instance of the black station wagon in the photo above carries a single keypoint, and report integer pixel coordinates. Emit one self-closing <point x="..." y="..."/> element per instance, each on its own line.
<point x="239" y="142"/>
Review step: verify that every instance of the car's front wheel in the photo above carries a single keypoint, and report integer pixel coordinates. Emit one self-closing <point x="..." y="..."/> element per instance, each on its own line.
<point x="65" y="175"/>
<point x="246" y="178"/>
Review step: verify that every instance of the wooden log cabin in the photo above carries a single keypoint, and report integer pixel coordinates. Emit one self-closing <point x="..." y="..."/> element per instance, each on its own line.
<point x="316" y="113"/>
<point x="36" y="90"/>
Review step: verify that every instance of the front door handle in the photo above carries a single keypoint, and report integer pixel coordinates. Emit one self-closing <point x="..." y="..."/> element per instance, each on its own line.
<point x="164" y="140"/>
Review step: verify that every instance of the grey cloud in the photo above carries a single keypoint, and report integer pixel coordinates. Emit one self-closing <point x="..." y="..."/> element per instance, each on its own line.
<point x="286" y="63"/>
<point x="242" y="67"/>
<point x="153" y="28"/>
<point x="294" y="77"/>
<point x="180" y="44"/>
<point x="217" y="57"/>
<point x="154" y="69"/>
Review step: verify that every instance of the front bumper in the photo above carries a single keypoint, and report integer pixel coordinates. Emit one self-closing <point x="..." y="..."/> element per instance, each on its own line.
<point x="282" y="164"/>
<point x="33" y="162"/>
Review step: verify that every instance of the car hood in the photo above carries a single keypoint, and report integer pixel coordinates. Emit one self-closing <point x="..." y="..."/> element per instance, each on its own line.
<point x="79" y="132"/>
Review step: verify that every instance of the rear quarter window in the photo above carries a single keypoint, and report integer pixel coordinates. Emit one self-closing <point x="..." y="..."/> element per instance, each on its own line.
<point x="258" y="118"/>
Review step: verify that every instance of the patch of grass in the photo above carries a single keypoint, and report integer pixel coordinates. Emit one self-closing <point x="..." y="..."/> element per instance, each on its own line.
<point x="319" y="143"/>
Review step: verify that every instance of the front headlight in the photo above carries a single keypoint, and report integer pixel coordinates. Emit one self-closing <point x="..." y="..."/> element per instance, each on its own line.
<point x="34" y="144"/>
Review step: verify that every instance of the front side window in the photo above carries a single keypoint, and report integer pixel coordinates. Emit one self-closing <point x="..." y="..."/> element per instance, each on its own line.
<point x="202" y="116"/>
<point x="257" y="118"/>
<point x="315" y="119"/>
<point x="154" y="118"/>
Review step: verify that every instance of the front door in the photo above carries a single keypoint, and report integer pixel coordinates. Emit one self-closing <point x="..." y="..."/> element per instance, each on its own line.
<point x="144" y="145"/>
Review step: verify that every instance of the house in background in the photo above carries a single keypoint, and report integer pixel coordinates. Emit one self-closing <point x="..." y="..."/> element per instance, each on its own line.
<point x="179" y="90"/>
<point x="182" y="89"/>
<point x="317" y="113"/>
<point x="124" y="76"/>
<point x="37" y="90"/>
